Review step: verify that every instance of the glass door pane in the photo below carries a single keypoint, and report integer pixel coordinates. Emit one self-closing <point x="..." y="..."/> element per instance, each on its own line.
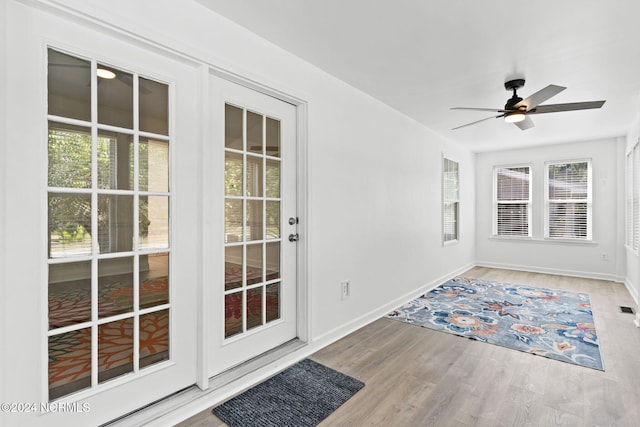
<point x="108" y="224"/>
<point x="252" y="220"/>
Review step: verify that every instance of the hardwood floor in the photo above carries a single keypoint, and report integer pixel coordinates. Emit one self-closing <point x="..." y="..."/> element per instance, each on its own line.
<point x="419" y="377"/>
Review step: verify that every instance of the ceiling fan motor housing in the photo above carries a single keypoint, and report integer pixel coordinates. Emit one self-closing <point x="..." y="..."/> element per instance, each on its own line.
<point x="511" y="102"/>
<point x="513" y="85"/>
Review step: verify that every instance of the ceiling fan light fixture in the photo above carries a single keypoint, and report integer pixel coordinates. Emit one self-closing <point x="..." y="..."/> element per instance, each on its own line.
<point x="105" y="74"/>
<point x="515" y="117"/>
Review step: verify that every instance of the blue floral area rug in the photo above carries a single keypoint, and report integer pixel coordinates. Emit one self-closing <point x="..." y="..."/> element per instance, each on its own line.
<point x="551" y="323"/>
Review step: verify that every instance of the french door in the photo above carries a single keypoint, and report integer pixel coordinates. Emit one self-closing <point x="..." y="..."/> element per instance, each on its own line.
<point x="102" y="266"/>
<point x="254" y="296"/>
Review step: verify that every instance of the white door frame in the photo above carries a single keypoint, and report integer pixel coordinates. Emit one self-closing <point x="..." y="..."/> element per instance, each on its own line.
<point x="212" y="159"/>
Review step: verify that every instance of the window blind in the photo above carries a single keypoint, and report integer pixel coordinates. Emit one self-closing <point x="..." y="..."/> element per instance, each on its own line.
<point x="513" y="201"/>
<point x="450" y="196"/>
<point x="569" y="200"/>
<point x="628" y="196"/>
<point x="636" y="197"/>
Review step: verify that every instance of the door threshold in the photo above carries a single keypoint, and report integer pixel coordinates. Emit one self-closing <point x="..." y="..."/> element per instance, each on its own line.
<point x="245" y="368"/>
<point x="221" y="387"/>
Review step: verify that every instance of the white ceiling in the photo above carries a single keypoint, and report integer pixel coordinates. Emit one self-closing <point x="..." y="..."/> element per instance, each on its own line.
<point x="422" y="57"/>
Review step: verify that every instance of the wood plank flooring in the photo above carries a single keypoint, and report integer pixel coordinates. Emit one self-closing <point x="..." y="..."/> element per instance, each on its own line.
<point x="419" y="377"/>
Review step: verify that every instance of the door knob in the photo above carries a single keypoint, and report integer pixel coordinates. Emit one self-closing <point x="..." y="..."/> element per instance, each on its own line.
<point x="294" y="237"/>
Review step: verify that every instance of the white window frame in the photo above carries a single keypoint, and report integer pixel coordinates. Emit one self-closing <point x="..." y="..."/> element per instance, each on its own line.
<point x="632" y="198"/>
<point x="497" y="202"/>
<point x="588" y="201"/>
<point x="447" y="199"/>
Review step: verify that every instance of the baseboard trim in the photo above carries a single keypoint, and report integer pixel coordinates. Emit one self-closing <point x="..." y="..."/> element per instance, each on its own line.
<point x="342" y="331"/>
<point x="556" y="271"/>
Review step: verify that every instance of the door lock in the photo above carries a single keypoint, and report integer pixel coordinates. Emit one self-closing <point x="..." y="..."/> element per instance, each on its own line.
<point x="293" y="221"/>
<point x="294" y="237"/>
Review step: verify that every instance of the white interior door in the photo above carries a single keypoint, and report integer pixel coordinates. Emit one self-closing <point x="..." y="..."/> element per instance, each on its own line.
<point x="103" y="265"/>
<point x="254" y="297"/>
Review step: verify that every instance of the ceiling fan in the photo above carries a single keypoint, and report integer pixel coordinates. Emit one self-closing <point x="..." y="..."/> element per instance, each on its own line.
<point x="517" y="110"/>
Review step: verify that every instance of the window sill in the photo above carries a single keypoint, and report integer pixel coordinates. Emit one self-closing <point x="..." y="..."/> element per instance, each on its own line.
<point x="630" y="249"/>
<point x="545" y="241"/>
<point x="450" y="242"/>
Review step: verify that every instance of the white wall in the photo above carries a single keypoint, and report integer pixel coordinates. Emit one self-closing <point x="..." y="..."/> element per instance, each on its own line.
<point x="374" y="175"/>
<point x="537" y="254"/>
<point x="375" y="210"/>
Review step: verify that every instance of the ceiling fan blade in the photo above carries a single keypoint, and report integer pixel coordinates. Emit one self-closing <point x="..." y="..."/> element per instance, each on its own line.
<point x="128" y="80"/>
<point x="478" y="109"/>
<point x="70" y="65"/>
<point x="539" y="97"/>
<point x="572" y="106"/>
<point x="268" y="148"/>
<point x="478" y="121"/>
<point x="527" y="123"/>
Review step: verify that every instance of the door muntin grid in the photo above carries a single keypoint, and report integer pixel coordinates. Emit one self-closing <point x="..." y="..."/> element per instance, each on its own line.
<point x="108" y="224"/>
<point x="253" y="283"/>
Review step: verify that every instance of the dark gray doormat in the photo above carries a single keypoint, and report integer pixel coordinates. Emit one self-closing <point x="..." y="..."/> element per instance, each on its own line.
<point x="300" y="396"/>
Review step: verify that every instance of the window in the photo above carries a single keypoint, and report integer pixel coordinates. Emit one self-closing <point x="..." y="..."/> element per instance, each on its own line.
<point x="512" y="201"/>
<point x="633" y="197"/>
<point x="568" y="200"/>
<point x="451" y="200"/>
